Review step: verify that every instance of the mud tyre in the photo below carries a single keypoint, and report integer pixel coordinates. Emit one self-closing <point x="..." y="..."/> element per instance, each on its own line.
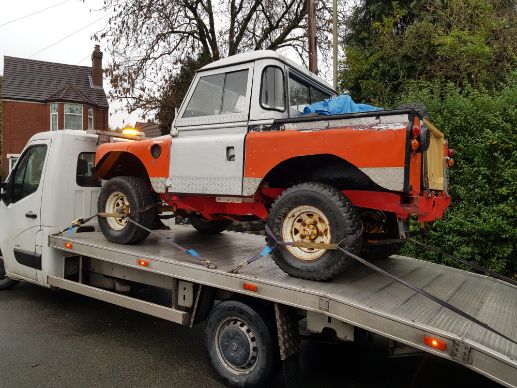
<point x="129" y="194"/>
<point x="204" y="226"/>
<point x="314" y="212"/>
<point x="241" y="343"/>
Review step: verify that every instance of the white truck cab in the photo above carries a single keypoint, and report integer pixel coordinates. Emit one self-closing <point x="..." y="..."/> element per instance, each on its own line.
<point x="55" y="168"/>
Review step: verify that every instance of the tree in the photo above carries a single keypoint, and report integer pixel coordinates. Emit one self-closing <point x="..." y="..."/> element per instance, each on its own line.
<point x="151" y="40"/>
<point x="466" y="42"/>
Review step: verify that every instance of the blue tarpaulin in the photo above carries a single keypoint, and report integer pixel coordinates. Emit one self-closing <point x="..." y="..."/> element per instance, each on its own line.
<point x="338" y="105"/>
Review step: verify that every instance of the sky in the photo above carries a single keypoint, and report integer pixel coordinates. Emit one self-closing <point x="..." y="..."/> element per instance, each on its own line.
<point x="63" y="33"/>
<point x="31" y="37"/>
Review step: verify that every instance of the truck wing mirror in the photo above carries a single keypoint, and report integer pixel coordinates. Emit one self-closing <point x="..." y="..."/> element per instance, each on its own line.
<point x="4" y="190"/>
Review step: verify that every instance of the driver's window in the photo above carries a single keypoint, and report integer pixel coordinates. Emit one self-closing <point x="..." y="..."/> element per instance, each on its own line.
<point x="27" y="175"/>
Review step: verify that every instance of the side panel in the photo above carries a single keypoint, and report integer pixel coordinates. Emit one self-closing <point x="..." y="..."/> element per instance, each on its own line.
<point x="378" y="152"/>
<point x="157" y="168"/>
<point x="208" y="164"/>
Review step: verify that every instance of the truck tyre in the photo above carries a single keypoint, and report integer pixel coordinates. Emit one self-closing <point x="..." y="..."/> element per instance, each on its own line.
<point x="5" y="282"/>
<point x="126" y="193"/>
<point x="314" y="212"/>
<point x="240" y="344"/>
<point x="208" y="227"/>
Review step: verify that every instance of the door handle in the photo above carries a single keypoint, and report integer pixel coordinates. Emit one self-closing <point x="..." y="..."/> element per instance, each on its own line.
<point x="30" y="214"/>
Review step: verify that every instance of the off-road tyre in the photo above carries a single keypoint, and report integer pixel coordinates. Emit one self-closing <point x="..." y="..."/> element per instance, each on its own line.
<point x="343" y="220"/>
<point x="419" y="107"/>
<point x="209" y="227"/>
<point x="5" y="282"/>
<point x="424" y="139"/>
<point x="139" y="195"/>
<point x="224" y="330"/>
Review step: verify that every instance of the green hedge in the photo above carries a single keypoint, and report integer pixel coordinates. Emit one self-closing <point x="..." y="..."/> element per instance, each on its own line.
<point x="480" y="225"/>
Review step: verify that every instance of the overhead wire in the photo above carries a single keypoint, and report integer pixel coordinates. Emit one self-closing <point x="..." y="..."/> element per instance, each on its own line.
<point x="69" y="35"/>
<point x="34" y="13"/>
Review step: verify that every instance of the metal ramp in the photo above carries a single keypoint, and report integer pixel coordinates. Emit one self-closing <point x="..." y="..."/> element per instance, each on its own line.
<point x="360" y="297"/>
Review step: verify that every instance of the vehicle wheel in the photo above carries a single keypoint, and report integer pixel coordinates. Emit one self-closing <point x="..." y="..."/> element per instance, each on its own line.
<point x="313" y="212"/>
<point x="241" y="345"/>
<point x="379" y="226"/>
<point x="5" y="282"/>
<point x="126" y="193"/>
<point x="419" y="107"/>
<point x="208" y="227"/>
<point x="424" y="139"/>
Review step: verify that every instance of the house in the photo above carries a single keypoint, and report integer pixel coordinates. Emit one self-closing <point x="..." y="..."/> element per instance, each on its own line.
<point x="150" y="129"/>
<point x="44" y="96"/>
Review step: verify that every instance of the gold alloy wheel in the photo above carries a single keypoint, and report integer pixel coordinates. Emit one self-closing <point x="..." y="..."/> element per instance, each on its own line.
<point x="117" y="203"/>
<point x="306" y="224"/>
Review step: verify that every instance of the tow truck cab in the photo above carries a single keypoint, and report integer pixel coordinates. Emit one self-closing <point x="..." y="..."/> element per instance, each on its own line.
<point x="51" y="184"/>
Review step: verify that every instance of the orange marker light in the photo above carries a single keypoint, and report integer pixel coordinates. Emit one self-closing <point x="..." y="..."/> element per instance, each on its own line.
<point x="435" y="343"/>
<point x="414" y="144"/>
<point x="450" y="162"/>
<point x="249" y="286"/>
<point x="69" y="245"/>
<point x="143" y="263"/>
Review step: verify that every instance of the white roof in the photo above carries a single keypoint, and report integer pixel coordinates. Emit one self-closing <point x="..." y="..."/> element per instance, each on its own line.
<point x="252" y="56"/>
<point x="62" y="132"/>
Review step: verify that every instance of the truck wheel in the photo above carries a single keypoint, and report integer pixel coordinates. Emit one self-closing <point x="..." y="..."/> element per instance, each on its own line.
<point x="5" y="282"/>
<point x="126" y="193"/>
<point x="208" y="227"/>
<point x="240" y="344"/>
<point x="314" y="212"/>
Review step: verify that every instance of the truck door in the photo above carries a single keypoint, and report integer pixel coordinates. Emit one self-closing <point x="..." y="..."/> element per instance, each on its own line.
<point x="207" y="156"/>
<point x="20" y="212"/>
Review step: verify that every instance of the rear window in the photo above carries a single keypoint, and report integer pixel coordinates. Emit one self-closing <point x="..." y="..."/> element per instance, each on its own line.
<point x="85" y="173"/>
<point x="302" y="93"/>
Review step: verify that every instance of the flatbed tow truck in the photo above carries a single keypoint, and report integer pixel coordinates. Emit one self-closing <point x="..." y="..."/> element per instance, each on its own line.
<point x="253" y="309"/>
<point x="253" y="314"/>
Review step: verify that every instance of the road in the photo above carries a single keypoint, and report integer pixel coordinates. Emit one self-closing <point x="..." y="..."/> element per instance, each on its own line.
<point x="52" y="338"/>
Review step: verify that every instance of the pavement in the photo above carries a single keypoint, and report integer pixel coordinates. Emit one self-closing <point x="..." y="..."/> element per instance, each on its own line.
<point x="54" y="338"/>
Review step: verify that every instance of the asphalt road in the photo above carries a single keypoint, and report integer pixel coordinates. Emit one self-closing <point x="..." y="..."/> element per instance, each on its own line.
<point x="54" y="338"/>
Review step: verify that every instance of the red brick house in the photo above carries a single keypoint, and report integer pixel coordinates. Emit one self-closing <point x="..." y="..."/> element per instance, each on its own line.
<point x="44" y="96"/>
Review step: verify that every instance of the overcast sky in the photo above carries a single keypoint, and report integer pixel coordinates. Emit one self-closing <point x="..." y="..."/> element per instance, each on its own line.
<point x="25" y="37"/>
<point x="63" y="33"/>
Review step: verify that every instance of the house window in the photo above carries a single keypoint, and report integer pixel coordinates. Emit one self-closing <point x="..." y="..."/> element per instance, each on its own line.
<point x="13" y="158"/>
<point x="73" y="116"/>
<point x="90" y="118"/>
<point x="53" y="117"/>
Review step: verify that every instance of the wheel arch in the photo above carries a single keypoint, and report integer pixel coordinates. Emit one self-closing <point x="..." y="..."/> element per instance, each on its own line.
<point x="121" y="163"/>
<point x="322" y="168"/>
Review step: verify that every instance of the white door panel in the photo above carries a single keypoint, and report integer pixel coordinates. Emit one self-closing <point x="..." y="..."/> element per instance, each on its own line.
<point x="20" y="220"/>
<point x="208" y="164"/>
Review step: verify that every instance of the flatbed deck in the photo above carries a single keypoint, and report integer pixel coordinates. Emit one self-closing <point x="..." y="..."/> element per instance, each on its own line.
<point x="361" y="296"/>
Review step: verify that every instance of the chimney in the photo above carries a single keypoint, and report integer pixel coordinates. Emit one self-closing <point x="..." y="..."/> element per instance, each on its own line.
<point x="97" y="66"/>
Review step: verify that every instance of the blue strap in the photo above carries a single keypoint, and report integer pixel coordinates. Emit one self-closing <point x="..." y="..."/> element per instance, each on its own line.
<point x="266" y="251"/>
<point x="70" y="231"/>
<point x="192" y="252"/>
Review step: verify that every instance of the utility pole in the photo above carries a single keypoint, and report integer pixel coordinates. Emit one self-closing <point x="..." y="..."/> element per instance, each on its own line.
<point x="313" y="49"/>
<point x="334" y="41"/>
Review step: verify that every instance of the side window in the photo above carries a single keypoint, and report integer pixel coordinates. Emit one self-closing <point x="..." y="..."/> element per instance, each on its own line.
<point x="272" y="93"/>
<point x="27" y="174"/>
<point x="302" y="94"/>
<point x="299" y="96"/>
<point x="85" y="173"/>
<point x="219" y="94"/>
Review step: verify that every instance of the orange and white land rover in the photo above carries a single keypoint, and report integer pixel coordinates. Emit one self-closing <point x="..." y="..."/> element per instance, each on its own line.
<point x="241" y="149"/>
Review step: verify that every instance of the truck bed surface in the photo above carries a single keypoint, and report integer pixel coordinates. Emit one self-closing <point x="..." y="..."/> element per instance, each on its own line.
<point x="361" y="296"/>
